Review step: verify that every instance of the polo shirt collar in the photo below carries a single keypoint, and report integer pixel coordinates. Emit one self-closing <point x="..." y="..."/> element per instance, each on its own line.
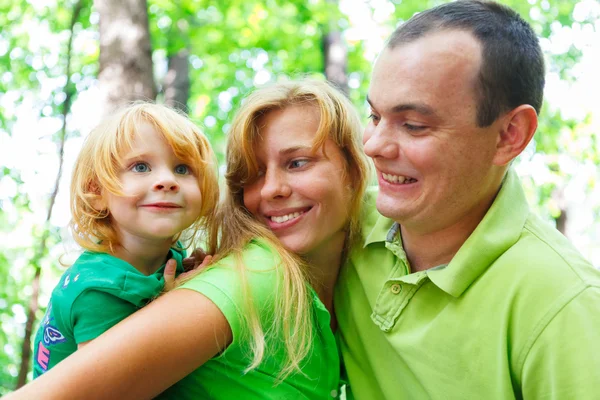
<point x="500" y="228"/>
<point x="383" y="228"/>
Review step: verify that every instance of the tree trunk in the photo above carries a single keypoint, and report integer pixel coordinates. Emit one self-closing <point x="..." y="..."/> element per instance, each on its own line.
<point x="561" y="221"/>
<point x="125" y="72"/>
<point x="335" y="54"/>
<point x="177" y="81"/>
<point x="336" y="60"/>
<point x="42" y="244"/>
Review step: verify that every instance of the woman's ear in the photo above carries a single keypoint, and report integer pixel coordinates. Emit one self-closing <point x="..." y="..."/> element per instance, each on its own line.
<point x="516" y="132"/>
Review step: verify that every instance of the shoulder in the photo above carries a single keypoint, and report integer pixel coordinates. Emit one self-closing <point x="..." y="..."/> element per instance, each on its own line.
<point x="258" y="255"/>
<point x="95" y="273"/>
<point x="250" y="278"/>
<point x="543" y="269"/>
<point x="89" y="293"/>
<point x="544" y="279"/>
<point x="258" y="264"/>
<point x="91" y="271"/>
<point x="544" y="253"/>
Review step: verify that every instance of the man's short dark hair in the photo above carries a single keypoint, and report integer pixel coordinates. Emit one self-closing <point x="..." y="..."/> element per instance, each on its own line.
<point x="512" y="67"/>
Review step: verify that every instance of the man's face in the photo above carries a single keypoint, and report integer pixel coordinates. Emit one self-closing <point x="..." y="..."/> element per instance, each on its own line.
<point x="434" y="164"/>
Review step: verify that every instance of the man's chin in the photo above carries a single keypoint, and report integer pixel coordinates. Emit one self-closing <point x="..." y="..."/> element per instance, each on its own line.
<point x="390" y="208"/>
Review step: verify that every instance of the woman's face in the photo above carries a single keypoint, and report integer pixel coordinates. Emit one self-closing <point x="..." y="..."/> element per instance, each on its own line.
<point x="301" y="195"/>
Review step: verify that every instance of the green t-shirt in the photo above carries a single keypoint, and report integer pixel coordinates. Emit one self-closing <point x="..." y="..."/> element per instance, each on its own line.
<point x="515" y="314"/>
<point x="94" y="294"/>
<point x="223" y="376"/>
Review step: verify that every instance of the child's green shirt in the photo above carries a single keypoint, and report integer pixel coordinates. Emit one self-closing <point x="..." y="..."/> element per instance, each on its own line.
<point x="94" y="294"/>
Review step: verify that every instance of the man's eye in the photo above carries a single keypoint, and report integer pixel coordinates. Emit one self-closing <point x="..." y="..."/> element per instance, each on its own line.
<point x="414" y="128"/>
<point x="298" y="163"/>
<point x="182" y="169"/>
<point x="374" y="118"/>
<point x="140" y="167"/>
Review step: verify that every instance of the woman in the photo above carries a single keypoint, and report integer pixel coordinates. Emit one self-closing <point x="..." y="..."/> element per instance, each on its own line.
<point x="258" y="322"/>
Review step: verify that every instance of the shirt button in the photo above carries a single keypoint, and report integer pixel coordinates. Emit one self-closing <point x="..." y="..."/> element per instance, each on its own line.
<point x="334" y="393"/>
<point x="396" y="288"/>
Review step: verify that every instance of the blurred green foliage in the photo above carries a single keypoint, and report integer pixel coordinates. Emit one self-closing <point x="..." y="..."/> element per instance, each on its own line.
<point x="233" y="46"/>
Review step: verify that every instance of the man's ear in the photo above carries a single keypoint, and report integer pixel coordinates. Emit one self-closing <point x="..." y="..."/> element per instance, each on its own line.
<point x="517" y="130"/>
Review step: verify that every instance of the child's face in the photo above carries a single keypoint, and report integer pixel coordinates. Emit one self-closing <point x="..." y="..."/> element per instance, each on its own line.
<point x="161" y="193"/>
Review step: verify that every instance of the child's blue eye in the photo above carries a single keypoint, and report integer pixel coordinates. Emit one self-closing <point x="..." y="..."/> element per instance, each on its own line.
<point x="140" y="167"/>
<point x="182" y="169"/>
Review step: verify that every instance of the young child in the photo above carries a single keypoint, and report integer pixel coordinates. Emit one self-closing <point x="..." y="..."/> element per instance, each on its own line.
<point x="142" y="177"/>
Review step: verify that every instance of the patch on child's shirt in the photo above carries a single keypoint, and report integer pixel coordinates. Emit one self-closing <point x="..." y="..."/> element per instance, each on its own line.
<point x="42" y="357"/>
<point x="53" y="335"/>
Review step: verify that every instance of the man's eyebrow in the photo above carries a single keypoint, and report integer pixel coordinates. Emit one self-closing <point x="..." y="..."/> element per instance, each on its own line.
<point x="418" y="107"/>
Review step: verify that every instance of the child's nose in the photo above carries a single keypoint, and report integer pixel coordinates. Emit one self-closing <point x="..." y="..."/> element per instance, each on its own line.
<point x="167" y="182"/>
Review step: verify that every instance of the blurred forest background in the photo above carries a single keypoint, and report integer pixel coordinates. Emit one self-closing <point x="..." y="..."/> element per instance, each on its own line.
<point x="63" y="64"/>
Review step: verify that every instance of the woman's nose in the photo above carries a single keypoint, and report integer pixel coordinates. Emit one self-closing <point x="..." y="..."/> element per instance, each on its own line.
<point x="275" y="185"/>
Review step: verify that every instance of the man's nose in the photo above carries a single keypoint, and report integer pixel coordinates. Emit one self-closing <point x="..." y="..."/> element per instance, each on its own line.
<point x="379" y="142"/>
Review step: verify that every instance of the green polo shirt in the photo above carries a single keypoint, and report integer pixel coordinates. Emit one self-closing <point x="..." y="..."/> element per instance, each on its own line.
<point x="515" y="314"/>
<point x="223" y="377"/>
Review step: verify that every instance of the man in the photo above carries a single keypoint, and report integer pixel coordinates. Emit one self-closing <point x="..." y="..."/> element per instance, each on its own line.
<point x="459" y="292"/>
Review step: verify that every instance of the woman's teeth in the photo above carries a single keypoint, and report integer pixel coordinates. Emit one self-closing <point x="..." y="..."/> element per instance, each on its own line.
<point x="282" y="218"/>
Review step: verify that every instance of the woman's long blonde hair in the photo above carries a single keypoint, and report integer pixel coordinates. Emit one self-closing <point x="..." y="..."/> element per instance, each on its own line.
<point x="98" y="166"/>
<point x="339" y="122"/>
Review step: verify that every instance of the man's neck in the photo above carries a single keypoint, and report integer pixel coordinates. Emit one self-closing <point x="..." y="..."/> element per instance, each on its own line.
<point x="425" y="251"/>
<point x="428" y="249"/>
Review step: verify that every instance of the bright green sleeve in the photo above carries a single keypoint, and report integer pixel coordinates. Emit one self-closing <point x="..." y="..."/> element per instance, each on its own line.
<point x="222" y="284"/>
<point x="94" y="312"/>
<point x="564" y="361"/>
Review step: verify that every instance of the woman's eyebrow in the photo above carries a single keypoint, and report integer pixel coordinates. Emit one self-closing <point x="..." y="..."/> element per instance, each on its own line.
<point x="293" y="149"/>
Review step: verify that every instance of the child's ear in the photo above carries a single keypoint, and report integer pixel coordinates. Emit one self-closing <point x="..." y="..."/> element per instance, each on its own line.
<point x="516" y="133"/>
<point x="96" y="198"/>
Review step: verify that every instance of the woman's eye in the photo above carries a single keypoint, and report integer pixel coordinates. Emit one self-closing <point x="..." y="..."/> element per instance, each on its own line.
<point x="140" y="167"/>
<point x="298" y="163"/>
<point x="182" y="169"/>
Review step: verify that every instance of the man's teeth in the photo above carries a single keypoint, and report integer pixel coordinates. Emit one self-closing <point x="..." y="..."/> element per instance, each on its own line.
<point x="283" y="218"/>
<point x="397" y="178"/>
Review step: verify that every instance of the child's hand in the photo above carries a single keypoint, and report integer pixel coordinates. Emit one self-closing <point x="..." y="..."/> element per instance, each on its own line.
<point x="171" y="267"/>
<point x="195" y="260"/>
